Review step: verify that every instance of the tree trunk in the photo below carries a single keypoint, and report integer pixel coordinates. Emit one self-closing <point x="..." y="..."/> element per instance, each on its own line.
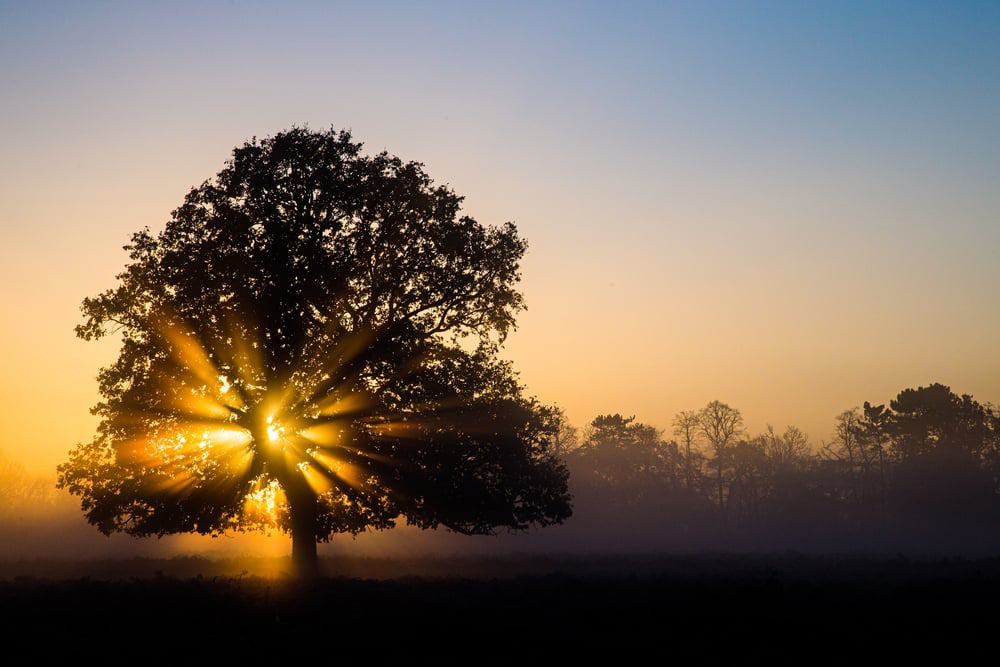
<point x="687" y="463"/>
<point x="718" y="477"/>
<point x="305" y="563"/>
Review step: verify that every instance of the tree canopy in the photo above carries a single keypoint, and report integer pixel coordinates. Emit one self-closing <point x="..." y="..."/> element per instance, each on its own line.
<point x="312" y="343"/>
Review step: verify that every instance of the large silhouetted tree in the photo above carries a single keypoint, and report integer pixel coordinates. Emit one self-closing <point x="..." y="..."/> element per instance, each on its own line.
<point x="311" y="343"/>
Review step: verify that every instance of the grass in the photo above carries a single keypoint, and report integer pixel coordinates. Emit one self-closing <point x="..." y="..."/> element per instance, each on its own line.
<point x="483" y="611"/>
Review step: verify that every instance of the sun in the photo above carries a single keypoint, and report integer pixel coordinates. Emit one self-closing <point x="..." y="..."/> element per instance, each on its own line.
<point x="275" y="431"/>
<point x="222" y="420"/>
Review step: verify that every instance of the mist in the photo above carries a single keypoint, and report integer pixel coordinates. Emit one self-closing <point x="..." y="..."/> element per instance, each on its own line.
<point x="917" y="475"/>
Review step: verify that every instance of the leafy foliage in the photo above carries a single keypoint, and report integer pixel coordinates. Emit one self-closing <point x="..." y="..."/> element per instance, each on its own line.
<point x="311" y="343"/>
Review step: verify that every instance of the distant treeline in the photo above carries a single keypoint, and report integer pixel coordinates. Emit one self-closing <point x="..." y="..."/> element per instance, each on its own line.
<point x="22" y="492"/>
<point x="921" y="472"/>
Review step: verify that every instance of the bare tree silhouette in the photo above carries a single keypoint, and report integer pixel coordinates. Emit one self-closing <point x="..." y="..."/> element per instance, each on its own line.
<point x="720" y="425"/>
<point x="687" y="427"/>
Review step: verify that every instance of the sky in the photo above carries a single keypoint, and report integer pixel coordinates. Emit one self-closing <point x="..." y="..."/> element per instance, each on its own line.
<point x="790" y="207"/>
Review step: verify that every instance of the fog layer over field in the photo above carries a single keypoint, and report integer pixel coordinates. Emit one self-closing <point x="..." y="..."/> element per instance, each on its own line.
<point x="915" y="476"/>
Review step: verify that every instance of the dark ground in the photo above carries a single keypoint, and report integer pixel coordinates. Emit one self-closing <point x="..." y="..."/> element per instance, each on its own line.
<point x="704" y="609"/>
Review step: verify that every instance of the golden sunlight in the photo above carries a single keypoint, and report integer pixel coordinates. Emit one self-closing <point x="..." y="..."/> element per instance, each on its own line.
<point x="275" y="431"/>
<point x="225" y="421"/>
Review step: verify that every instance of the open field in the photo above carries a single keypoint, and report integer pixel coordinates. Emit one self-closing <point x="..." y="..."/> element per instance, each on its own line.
<point x="812" y="610"/>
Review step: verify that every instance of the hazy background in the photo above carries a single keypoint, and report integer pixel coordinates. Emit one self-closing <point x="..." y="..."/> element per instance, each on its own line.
<point x="788" y="206"/>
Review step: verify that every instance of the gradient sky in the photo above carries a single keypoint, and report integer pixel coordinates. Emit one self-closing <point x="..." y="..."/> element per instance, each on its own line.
<point x="792" y="207"/>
